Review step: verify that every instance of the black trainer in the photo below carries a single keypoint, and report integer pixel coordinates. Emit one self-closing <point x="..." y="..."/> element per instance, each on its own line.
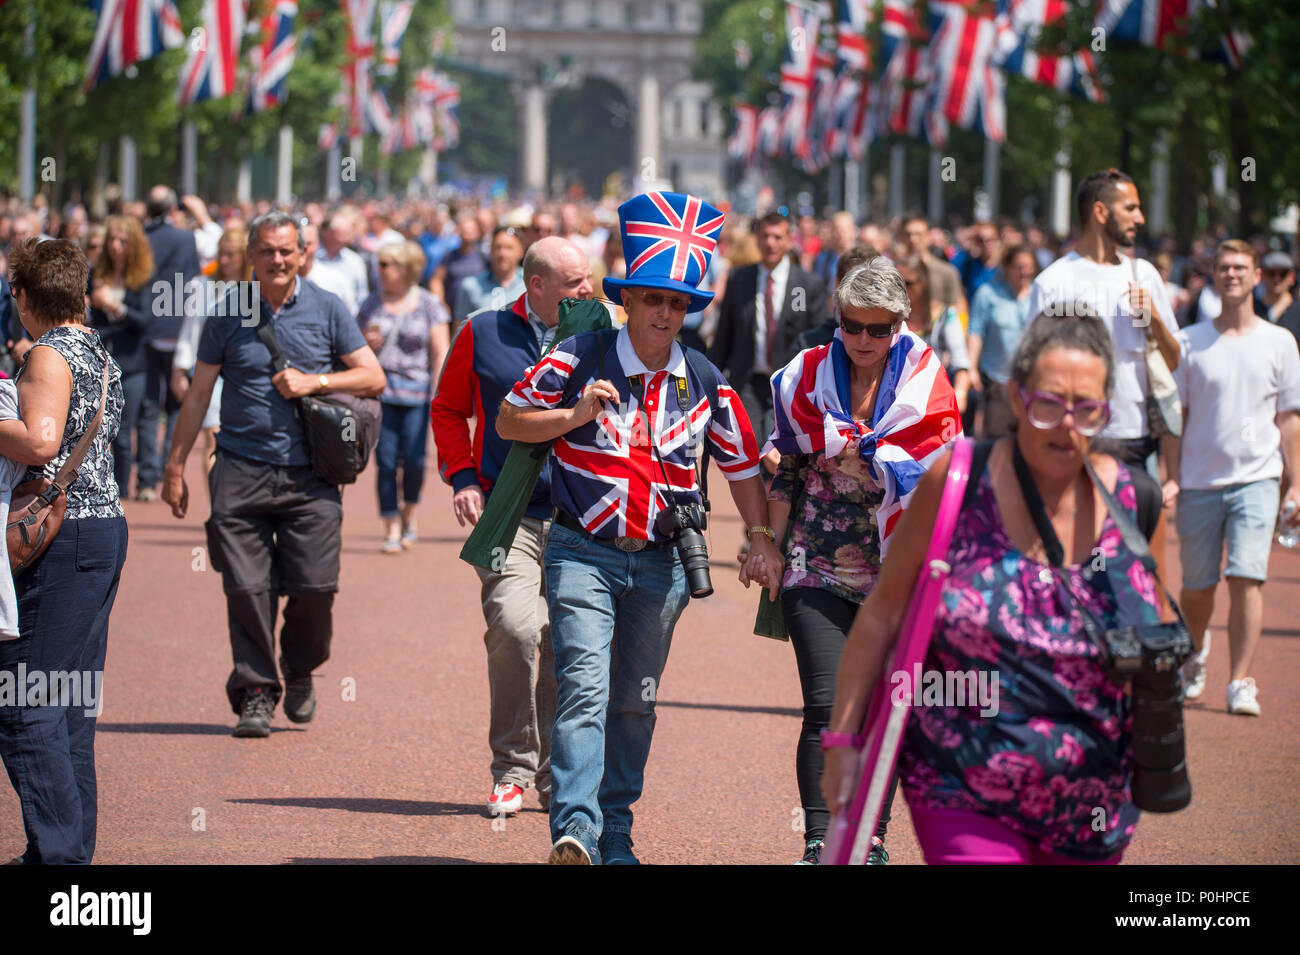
<point x="255" y="715"/>
<point x="299" y="699"/>
<point x="877" y="855"/>
<point x="812" y="852"/>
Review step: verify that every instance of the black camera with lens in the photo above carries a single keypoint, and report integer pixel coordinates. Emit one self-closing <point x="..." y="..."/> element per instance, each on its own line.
<point x="1149" y="657"/>
<point x="682" y="524"/>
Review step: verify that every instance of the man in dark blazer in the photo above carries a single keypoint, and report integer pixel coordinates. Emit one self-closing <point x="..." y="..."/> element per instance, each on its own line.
<point x="175" y="262"/>
<point x="749" y="344"/>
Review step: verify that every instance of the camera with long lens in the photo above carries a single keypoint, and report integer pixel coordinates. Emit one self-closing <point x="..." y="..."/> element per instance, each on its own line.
<point x="682" y="524"/>
<point x="1150" y="656"/>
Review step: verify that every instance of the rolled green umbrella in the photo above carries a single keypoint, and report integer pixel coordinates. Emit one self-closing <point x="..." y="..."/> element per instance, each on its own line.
<point x="489" y="543"/>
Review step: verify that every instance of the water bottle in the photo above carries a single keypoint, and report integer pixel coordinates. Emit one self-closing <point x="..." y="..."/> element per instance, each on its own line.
<point x="1287" y="534"/>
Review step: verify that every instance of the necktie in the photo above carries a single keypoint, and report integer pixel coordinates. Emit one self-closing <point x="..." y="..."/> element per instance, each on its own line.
<point x="771" y="318"/>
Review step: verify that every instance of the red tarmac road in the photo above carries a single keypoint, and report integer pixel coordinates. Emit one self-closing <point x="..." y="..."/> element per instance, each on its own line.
<point x="399" y="771"/>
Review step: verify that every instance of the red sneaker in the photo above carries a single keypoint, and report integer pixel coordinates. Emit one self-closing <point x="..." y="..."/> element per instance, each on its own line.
<point x="505" y="800"/>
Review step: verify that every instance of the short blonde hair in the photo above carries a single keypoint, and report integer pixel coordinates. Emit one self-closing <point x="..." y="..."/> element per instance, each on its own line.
<point x="407" y="254"/>
<point x="1237" y="247"/>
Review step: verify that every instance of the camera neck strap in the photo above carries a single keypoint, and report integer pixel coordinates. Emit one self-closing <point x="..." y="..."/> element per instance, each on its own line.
<point x="1132" y="537"/>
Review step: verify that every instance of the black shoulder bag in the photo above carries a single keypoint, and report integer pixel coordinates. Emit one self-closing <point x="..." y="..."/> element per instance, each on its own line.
<point x="1148" y="654"/>
<point x="339" y="431"/>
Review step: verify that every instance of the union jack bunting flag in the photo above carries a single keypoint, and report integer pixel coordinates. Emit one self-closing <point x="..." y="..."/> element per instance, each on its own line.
<point x="1163" y="24"/>
<point x="272" y="58"/>
<point x="361" y="50"/>
<point x="1019" y="26"/>
<point x="212" y="69"/>
<point x="804" y="62"/>
<point x="393" y="21"/>
<point x="744" y="138"/>
<point x="904" y="36"/>
<point x="915" y="417"/>
<point x="850" y="129"/>
<point x="966" y="87"/>
<point x="769" y="130"/>
<point x="605" y="472"/>
<point x="128" y="31"/>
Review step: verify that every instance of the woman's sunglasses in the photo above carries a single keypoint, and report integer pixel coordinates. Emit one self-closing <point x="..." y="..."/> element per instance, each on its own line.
<point x="882" y="330"/>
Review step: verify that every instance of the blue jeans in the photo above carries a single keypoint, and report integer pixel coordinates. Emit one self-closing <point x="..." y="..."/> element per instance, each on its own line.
<point x="403" y="435"/>
<point x="158" y="400"/>
<point x="612" y="618"/>
<point x="64" y="601"/>
<point x="134" y="385"/>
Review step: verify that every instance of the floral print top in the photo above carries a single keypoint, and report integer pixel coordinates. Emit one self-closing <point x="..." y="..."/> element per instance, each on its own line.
<point x="833" y="542"/>
<point x="93" y="493"/>
<point x="1053" y="762"/>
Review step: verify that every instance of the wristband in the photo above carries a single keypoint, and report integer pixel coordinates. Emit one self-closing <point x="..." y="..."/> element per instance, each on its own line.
<point x="842" y="740"/>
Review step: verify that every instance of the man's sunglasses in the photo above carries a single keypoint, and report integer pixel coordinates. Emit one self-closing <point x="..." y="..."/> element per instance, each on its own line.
<point x="882" y="330"/>
<point x="1275" y="273"/>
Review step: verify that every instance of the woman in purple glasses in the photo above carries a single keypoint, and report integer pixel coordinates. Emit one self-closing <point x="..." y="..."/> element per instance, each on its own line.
<point x="1038" y="767"/>
<point x="834" y="404"/>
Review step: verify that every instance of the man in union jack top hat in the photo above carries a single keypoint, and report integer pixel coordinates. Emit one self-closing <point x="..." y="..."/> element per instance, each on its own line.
<point x="630" y="413"/>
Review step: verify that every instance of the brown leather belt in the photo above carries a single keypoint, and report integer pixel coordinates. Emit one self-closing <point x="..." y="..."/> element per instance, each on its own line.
<point x="629" y="545"/>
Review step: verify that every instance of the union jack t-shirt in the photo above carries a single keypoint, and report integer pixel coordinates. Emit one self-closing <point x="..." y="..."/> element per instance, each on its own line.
<point x="604" y="473"/>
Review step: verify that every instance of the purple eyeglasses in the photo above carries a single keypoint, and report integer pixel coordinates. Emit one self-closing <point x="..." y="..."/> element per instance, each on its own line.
<point x="1048" y="411"/>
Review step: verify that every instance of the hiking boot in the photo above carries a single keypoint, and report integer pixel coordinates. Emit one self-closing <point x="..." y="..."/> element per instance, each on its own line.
<point x="255" y="715"/>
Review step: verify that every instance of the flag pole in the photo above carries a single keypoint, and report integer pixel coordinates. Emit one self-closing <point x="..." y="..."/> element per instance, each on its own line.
<point x="27" y="136"/>
<point x="189" y="158"/>
<point x="284" y="165"/>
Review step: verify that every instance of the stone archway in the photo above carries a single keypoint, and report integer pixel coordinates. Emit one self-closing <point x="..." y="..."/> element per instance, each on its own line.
<point x="589" y="135"/>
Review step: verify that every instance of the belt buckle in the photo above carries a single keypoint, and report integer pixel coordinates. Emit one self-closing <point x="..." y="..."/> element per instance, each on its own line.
<point x="630" y="545"/>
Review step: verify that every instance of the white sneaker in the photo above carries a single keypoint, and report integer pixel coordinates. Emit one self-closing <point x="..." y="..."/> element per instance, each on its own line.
<point x="505" y="800"/>
<point x="568" y="851"/>
<point x="1194" y="671"/>
<point x="1241" y="697"/>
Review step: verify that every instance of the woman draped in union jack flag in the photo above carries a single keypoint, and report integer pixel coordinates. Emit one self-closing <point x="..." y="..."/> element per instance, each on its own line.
<point x="858" y="421"/>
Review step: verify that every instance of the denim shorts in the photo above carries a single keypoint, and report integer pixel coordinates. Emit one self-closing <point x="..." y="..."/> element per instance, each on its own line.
<point x="1244" y="514"/>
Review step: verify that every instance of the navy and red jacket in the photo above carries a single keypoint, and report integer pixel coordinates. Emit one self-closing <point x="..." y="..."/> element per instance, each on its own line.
<point x="490" y="353"/>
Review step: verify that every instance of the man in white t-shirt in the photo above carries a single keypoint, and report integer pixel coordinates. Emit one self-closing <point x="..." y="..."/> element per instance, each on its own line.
<point x="337" y="268"/>
<point x="1130" y="298"/>
<point x="1240" y="386"/>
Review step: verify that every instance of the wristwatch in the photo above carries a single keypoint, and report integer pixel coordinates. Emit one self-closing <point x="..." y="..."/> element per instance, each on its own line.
<point x="762" y="529"/>
<point x="847" y="740"/>
<point x="324" y="383"/>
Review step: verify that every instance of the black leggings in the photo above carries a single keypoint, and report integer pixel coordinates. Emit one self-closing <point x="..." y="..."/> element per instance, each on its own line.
<point x="819" y="622"/>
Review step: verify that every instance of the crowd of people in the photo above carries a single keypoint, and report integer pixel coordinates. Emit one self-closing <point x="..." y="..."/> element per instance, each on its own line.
<point x="826" y="366"/>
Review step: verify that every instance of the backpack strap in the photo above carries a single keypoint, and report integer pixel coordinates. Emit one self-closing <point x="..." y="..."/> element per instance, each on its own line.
<point x="699" y="363"/>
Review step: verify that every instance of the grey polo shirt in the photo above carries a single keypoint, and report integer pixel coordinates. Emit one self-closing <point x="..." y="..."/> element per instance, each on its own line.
<point x="314" y="330"/>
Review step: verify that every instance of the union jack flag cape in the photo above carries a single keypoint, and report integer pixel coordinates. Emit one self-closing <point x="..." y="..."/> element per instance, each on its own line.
<point x="915" y="417"/>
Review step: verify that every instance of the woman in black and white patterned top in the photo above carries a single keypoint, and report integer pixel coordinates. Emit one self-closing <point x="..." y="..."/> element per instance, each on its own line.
<point x="66" y="595"/>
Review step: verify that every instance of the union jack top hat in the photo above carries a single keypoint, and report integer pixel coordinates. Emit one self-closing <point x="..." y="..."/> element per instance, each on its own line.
<point x="668" y="240"/>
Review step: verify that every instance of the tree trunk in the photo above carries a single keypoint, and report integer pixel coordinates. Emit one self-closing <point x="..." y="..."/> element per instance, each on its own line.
<point x="1242" y="178"/>
<point x="1188" y="180"/>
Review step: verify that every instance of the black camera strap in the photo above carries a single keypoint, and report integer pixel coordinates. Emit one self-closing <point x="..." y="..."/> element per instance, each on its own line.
<point x="1133" y="538"/>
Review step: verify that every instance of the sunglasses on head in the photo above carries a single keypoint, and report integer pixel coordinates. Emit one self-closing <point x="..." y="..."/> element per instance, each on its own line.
<point x="881" y="330"/>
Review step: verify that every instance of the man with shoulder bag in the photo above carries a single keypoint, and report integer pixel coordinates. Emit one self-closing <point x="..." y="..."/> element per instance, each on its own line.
<point x="276" y="524"/>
